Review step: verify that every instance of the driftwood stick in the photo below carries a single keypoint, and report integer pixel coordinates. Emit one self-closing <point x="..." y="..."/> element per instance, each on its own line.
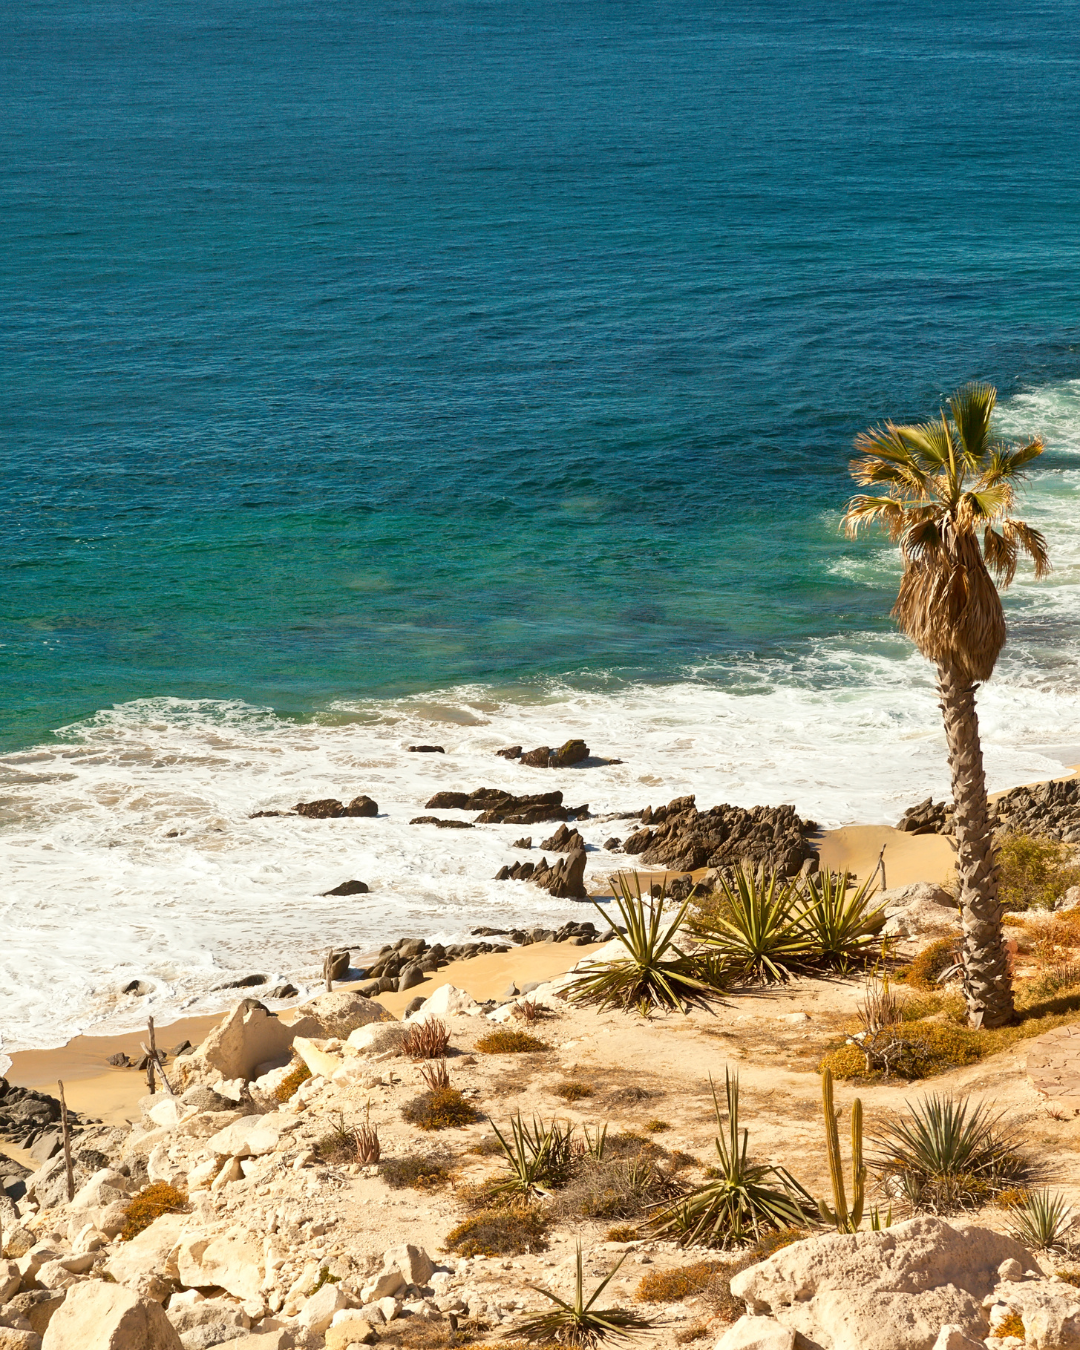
<point x="65" y="1129"/>
<point x="328" y="966"/>
<point x="159" y="1060"/>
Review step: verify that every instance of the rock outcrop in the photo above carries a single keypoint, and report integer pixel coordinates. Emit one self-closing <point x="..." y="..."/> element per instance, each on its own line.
<point x="1048" y="809"/>
<point x="566" y="879"/>
<point x="681" y="838"/>
<point x="329" y="808"/>
<point x="499" y="807"/>
<point x="98" y="1316"/>
<point x="892" y="1290"/>
<point x="563" y="841"/>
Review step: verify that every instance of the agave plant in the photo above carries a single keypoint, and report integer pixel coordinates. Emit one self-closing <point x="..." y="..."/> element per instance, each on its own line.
<point x="1043" y="1222"/>
<point x="756" y="929"/>
<point x="738" y="1204"/>
<point x="946" y="1154"/>
<point x="538" y="1158"/>
<point x="839" y="917"/>
<point x="581" y="1323"/>
<point x="654" y="973"/>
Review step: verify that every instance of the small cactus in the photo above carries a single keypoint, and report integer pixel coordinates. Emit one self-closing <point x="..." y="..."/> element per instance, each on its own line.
<point x="841" y="1218"/>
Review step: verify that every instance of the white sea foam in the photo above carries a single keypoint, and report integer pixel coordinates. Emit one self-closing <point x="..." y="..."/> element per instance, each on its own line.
<point x="127" y="850"/>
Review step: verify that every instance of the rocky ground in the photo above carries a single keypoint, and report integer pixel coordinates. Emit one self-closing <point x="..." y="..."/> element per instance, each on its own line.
<point x="285" y="1239"/>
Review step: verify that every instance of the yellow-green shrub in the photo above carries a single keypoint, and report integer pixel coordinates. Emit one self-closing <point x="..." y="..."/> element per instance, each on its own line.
<point x="1034" y="872"/>
<point x="156" y="1199"/>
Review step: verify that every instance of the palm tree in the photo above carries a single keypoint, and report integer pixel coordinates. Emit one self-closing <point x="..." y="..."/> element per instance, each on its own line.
<point x="949" y="490"/>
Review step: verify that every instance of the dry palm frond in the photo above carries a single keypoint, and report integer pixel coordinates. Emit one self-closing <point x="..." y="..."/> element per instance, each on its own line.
<point x="949" y="490"/>
<point x="580" y="1323"/>
<point x="654" y="973"/>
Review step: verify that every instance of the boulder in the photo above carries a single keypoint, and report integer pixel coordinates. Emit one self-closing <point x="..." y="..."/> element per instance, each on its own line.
<point x="232" y="1262"/>
<point x="413" y="1262"/>
<point x="318" y="1311"/>
<point x="10" y="1279"/>
<point x="99" y="1316"/>
<point x="16" y="1338"/>
<point x="279" y="1338"/>
<point x="572" y="752"/>
<point x="324" y="808"/>
<point x="1050" y="1310"/>
<point x="146" y="1264"/>
<point x="892" y="1290"/>
<point x="349" y="888"/>
<point x="447" y="1001"/>
<point x="756" y="1333"/>
<point x="563" y="841"/>
<point x="953" y="1338"/>
<point x="566" y="880"/>
<point x="37" y="1306"/>
<point x="207" y="1322"/>
<point x="540" y="758"/>
<point x="90" y="1152"/>
<point x="349" y="1327"/>
<point x="900" y="897"/>
<point x="249" y="1036"/>
<point x="362" y="806"/>
<point x="335" y="1013"/>
<point x="318" y="1061"/>
<point x="251" y="1136"/>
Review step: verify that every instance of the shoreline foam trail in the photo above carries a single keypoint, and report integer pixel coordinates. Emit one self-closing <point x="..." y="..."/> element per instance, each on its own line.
<point x="129" y="852"/>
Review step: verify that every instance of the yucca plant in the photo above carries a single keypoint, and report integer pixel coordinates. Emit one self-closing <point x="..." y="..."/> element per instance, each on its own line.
<point x="654" y="973"/>
<point x="946" y="1154"/>
<point x="738" y="1204"/>
<point x="538" y="1158"/>
<point x="581" y="1323"/>
<point x="840" y="919"/>
<point x="756" y="928"/>
<point x="1043" y="1222"/>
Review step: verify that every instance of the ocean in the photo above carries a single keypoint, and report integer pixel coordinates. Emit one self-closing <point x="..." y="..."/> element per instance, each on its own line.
<point x="475" y="374"/>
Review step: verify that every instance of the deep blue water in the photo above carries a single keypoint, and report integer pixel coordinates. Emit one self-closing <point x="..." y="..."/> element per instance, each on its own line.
<point x="372" y="348"/>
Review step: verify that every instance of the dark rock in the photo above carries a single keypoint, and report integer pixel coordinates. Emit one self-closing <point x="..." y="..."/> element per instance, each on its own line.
<point x="362" y="806"/>
<point x="326" y="808"/>
<point x="524" y="842"/>
<point x="447" y="801"/>
<point x="245" y="982"/>
<point x="566" y="880"/>
<point x="285" y="990"/>
<point x="525" y="871"/>
<point x="349" y="888"/>
<point x="339" y="963"/>
<point x="503" y="874"/>
<point x="45" y="1145"/>
<point x="572" y="752"/>
<point x="442" y="824"/>
<point x="26" y="1114"/>
<point x="538" y="758"/>
<point x="427" y="750"/>
<point x="489" y="932"/>
<point x="613" y="845"/>
<point x="185" y="1046"/>
<point x="139" y="988"/>
<point x="928" y="817"/>
<point x="681" y="838"/>
<point x="563" y="841"/>
<point x="370" y="988"/>
<point x="407" y="948"/>
<point x="119" y="1060"/>
<point x="412" y="975"/>
<point x="414" y="1005"/>
<point x="511" y="752"/>
<point x="261" y="815"/>
<point x="511" y="991"/>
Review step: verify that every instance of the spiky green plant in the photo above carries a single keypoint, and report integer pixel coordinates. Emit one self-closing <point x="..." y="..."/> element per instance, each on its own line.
<point x="840" y="918"/>
<point x="737" y="1204"/>
<point x="538" y="1158"/>
<point x="946" y="1154"/>
<point x="654" y="973"/>
<point x="1043" y="1222"/>
<point x="581" y="1323"/>
<point x="756" y="928"/>
<point x="595" y="1143"/>
<point x="841" y="1218"/>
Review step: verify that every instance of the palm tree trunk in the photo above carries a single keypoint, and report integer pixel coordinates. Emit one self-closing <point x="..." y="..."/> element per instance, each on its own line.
<point x="987" y="981"/>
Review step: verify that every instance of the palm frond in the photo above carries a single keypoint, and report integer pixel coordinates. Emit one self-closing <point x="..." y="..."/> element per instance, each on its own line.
<point x="971" y="409"/>
<point x="578" y="1322"/>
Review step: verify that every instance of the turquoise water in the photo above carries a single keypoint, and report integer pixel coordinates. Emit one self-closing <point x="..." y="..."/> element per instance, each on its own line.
<point x="357" y="350"/>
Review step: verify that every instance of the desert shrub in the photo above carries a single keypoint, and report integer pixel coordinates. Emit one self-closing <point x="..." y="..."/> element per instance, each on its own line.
<point x="1042" y="1221"/>
<point x="580" y="1323"/>
<point x="419" y="1172"/>
<point x="538" y="1157"/>
<point x="1070" y="1274"/>
<point x="435" y="1075"/>
<point x="488" y="1147"/>
<point x="622" y="1232"/>
<point x="934" y="959"/>
<point x="654" y="973"/>
<point x="945" y="1155"/>
<point x="614" y="1188"/>
<point x="1012" y="1324"/>
<point x="531" y="1011"/>
<point x="743" y="1200"/>
<point x="671" y="1286"/>
<point x="426" y="1040"/>
<point x="1034" y="872"/>
<point x="154" y="1200"/>
<point x="572" y="1091"/>
<point x="1057" y="976"/>
<point x="696" y="1331"/>
<point x="909" y="1050"/>
<point x="506" y="1041"/>
<point x="324" y="1278"/>
<point x="439" y="1110"/>
<point x="657" y="1126"/>
<point x="288" y="1085"/>
<point x="499" y="1232"/>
